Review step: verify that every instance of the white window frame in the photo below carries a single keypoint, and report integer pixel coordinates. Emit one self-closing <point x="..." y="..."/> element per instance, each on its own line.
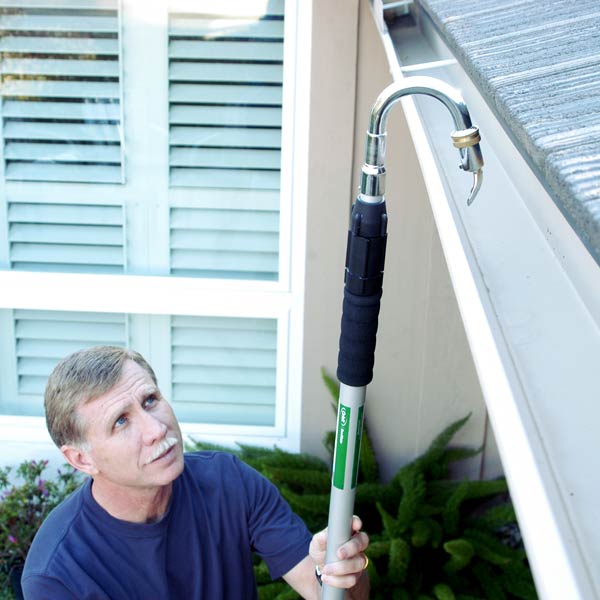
<point x="157" y="295"/>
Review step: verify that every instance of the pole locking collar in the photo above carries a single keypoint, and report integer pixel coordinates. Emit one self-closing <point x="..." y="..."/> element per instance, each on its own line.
<point x="465" y="138"/>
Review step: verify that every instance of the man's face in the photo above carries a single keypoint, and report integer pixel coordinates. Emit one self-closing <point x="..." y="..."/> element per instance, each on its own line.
<point x="133" y="438"/>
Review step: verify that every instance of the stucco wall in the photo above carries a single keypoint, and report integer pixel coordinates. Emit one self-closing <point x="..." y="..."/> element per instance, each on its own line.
<point x="424" y="374"/>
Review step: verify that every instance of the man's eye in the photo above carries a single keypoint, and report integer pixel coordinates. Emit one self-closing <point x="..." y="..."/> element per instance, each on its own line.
<point x="150" y="401"/>
<point x="121" y="421"/>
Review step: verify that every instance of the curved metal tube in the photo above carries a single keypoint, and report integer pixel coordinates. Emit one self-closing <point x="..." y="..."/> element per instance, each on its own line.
<point x="466" y="137"/>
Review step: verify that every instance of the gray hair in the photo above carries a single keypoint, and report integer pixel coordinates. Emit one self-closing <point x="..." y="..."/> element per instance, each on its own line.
<point x="79" y="378"/>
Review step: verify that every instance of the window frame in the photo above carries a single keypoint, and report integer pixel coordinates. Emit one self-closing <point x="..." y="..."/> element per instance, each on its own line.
<point x="282" y="300"/>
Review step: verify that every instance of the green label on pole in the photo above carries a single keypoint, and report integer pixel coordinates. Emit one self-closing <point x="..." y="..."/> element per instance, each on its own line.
<point x="359" y="422"/>
<point x="341" y="447"/>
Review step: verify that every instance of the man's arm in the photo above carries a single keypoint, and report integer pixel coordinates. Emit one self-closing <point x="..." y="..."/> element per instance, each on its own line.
<point x="348" y="572"/>
<point x="41" y="587"/>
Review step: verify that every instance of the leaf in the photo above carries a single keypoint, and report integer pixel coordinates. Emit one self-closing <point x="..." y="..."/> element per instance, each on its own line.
<point x="496" y="517"/>
<point x="451" y="514"/>
<point x="437" y="447"/>
<point x="489" y="548"/>
<point x="329" y="442"/>
<point x="424" y="531"/>
<point x="461" y="552"/>
<point x="199" y="445"/>
<point x="271" y="590"/>
<point x="489" y="582"/>
<point x="334" y="388"/>
<point x="390" y="526"/>
<point x="261" y="573"/>
<point x="288" y="594"/>
<point x="523" y="588"/>
<point x="368" y="468"/>
<point x="398" y="561"/>
<point x="443" y="592"/>
<point x="453" y="455"/>
<point x="413" y="486"/>
<point x="301" y="480"/>
<point x="487" y="488"/>
<point x="378" y="549"/>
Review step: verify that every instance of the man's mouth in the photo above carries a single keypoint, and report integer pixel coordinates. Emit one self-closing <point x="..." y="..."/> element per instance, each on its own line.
<point x="162" y="449"/>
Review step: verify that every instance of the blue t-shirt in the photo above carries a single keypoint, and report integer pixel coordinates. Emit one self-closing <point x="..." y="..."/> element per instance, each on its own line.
<point x="220" y="511"/>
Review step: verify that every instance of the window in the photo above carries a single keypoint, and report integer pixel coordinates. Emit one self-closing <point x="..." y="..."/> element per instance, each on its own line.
<point x="147" y="184"/>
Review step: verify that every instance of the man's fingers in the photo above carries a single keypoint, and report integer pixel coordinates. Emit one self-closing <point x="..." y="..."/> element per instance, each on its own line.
<point x="344" y="582"/>
<point x="320" y="540"/>
<point x="350" y="566"/>
<point x="356" y="523"/>
<point x="354" y="546"/>
<point x="345" y="573"/>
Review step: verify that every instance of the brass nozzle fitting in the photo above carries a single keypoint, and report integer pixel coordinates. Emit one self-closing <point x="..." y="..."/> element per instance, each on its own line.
<point x="465" y="138"/>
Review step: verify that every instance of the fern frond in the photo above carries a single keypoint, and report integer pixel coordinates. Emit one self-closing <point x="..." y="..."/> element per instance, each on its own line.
<point x="261" y="573"/>
<point x="461" y="552"/>
<point x="301" y="480"/>
<point x="489" y="583"/>
<point x="425" y="531"/>
<point x="334" y="388"/>
<point x="329" y="442"/>
<point x="495" y="517"/>
<point x="437" y="447"/>
<point x="271" y="590"/>
<point x="398" y="561"/>
<point x="489" y="548"/>
<point x="390" y="525"/>
<point x="442" y="591"/>
<point x="368" y="467"/>
<point x="451" y="514"/>
<point x="414" y="488"/>
<point x="288" y="594"/>
<point x="199" y="445"/>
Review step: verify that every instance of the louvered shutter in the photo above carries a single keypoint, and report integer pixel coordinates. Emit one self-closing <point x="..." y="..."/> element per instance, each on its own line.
<point x="61" y="97"/>
<point x="225" y="96"/>
<point x="66" y="237"/>
<point x="224" y="370"/>
<point x="44" y="337"/>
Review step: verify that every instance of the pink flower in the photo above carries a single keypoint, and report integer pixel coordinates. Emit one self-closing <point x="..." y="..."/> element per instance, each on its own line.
<point x="42" y="487"/>
<point x="12" y="539"/>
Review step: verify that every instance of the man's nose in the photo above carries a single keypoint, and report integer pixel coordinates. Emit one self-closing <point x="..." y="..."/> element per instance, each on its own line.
<point x="153" y="429"/>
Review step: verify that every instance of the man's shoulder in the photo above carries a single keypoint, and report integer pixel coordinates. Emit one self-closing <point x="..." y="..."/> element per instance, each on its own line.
<point x="57" y="525"/>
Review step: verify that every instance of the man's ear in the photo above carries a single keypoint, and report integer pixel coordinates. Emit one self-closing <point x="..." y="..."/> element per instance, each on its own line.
<point x="79" y="459"/>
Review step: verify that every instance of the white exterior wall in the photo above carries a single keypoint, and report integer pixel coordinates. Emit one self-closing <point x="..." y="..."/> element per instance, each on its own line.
<point x="424" y="376"/>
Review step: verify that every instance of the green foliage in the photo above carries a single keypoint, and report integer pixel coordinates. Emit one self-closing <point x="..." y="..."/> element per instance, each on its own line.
<point x="431" y="537"/>
<point x="25" y="503"/>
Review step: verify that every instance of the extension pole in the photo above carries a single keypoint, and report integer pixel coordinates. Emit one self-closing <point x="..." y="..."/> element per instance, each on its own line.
<point x="365" y="259"/>
<point x="362" y="296"/>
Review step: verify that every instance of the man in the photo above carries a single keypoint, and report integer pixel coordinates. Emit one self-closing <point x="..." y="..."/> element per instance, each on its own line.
<point x="151" y="523"/>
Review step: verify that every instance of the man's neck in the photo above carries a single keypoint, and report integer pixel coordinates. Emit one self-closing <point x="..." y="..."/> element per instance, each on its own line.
<point x="135" y="506"/>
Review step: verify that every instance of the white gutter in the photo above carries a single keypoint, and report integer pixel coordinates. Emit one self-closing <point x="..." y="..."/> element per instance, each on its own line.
<point x="528" y="294"/>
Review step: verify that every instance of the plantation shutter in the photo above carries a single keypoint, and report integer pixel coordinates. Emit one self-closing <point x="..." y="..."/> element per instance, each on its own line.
<point x="61" y="113"/>
<point x="224" y="369"/>
<point x="44" y="337"/>
<point x="201" y="197"/>
<point x="225" y="105"/>
<point x="46" y="236"/>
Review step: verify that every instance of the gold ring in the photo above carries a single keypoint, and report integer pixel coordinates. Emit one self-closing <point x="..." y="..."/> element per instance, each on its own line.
<point x="366" y="562"/>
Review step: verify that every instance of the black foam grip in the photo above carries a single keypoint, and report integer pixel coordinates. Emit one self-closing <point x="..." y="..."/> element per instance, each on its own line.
<point x="357" y="340"/>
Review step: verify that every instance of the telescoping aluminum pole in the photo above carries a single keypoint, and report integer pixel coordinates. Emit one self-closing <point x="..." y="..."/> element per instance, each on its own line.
<point x="365" y="258"/>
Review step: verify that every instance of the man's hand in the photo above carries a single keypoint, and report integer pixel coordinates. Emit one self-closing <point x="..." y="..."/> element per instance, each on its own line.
<point x="348" y="571"/>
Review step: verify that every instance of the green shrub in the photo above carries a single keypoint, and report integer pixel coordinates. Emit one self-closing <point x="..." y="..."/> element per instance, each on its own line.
<point x="431" y="537"/>
<point x="25" y="503"/>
